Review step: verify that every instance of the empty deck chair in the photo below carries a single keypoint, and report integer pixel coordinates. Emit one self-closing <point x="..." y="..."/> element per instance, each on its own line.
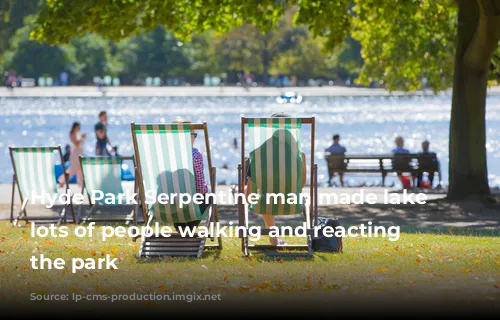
<point x="34" y="177"/>
<point x="163" y="154"/>
<point x="275" y="163"/>
<point x="105" y="174"/>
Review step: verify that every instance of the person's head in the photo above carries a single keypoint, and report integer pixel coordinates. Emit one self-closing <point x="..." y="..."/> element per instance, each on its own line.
<point x="336" y="138"/>
<point x="399" y="141"/>
<point x="75" y="128"/>
<point x="67" y="148"/>
<point x="425" y="146"/>
<point x="103" y="117"/>
<point x="280" y="115"/>
<point x="185" y="121"/>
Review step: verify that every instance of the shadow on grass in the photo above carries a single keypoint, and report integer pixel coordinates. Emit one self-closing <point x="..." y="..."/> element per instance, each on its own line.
<point x="471" y="218"/>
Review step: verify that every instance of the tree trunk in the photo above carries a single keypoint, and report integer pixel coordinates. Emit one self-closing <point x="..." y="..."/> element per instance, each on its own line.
<point x="265" y="67"/>
<point x="265" y="62"/>
<point x="468" y="170"/>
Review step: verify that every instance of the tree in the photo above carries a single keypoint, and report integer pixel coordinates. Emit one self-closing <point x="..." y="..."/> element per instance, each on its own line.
<point x="12" y="14"/>
<point x="33" y="59"/>
<point x="93" y="58"/>
<point x="402" y="42"/>
<point x="247" y="48"/>
<point x="156" y="53"/>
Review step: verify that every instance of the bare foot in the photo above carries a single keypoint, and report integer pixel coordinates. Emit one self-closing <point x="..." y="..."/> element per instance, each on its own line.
<point x="277" y="241"/>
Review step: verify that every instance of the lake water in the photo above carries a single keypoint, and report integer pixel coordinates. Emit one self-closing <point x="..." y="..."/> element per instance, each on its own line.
<point x="366" y="125"/>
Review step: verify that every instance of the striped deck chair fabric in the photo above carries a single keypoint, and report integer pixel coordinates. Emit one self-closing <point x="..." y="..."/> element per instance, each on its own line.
<point x="35" y="171"/>
<point x="102" y="173"/>
<point x="166" y="164"/>
<point x="275" y="163"/>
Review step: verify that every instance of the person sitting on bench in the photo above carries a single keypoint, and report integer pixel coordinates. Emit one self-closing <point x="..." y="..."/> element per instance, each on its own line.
<point x="401" y="164"/>
<point x="336" y="163"/>
<point x="427" y="163"/>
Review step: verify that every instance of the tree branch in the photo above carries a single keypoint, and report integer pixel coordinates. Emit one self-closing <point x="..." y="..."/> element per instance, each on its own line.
<point x="479" y="52"/>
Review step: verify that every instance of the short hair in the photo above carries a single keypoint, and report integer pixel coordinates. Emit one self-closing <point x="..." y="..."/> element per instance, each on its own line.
<point x="399" y="141"/>
<point x="280" y="115"/>
<point x="336" y="136"/>
<point x="426" y="143"/>
<point x="102" y="113"/>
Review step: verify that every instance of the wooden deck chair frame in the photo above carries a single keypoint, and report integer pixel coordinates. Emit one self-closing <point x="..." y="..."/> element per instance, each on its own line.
<point x="173" y="246"/>
<point x="22" y="214"/>
<point x="311" y="211"/>
<point x="90" y="216"/>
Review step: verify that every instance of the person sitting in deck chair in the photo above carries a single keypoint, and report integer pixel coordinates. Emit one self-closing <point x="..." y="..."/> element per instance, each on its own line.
<point x="199" y="178"/>
<point x="268" y="218"/>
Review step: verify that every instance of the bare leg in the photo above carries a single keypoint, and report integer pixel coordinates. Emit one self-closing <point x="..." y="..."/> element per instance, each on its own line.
<point x="401" y="180"/>
<point x="62" y="178"/>
<point x="341" y="178"/>
<point x="79" y="178"/>
<point x="270" y="222"/>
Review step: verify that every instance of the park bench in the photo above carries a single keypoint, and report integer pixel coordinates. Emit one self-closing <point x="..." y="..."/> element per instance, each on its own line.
<point x="384" y="164"/>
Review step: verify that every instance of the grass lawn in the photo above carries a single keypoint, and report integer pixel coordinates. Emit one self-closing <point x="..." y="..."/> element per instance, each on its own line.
<point x="453" y="263"/>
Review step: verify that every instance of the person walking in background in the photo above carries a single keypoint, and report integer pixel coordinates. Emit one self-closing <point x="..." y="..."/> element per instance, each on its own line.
<point x="74" y="159"/>
<point x="402" y="164"/>
<point x="429" y="163"/>
<point x="335" y="163"/>
<point x="67" y="153"/>
<point x="101" y="128"/>
<point x="64" y="78"/>
<point x="11" y="79"/>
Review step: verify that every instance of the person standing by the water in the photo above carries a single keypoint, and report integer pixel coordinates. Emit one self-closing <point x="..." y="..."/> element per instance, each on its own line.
<point x="74" y="159"/>
<point x="101" y="128"/>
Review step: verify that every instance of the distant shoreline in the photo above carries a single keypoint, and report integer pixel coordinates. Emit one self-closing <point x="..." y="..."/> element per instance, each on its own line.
<point x="201" y="91"/>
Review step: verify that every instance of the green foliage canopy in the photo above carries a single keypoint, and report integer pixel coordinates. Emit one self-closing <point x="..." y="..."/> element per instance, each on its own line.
<point x="403" y="41"/>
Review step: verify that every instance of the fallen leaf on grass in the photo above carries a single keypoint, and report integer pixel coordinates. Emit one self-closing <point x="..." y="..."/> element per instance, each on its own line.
<point x="496" y="285"/>
<point x="243" y="288"/>
<point x="161" y="287"/>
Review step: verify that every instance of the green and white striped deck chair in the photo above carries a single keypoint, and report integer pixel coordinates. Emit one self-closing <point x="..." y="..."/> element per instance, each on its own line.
<point x="164" y="160"/>
<point x="34" y="176"/>
<point x="275" y="169"/>
<point x="104" y="174"/>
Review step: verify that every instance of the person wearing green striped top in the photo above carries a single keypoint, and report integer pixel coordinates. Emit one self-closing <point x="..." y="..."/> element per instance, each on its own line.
<point x="268" y="218"/>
